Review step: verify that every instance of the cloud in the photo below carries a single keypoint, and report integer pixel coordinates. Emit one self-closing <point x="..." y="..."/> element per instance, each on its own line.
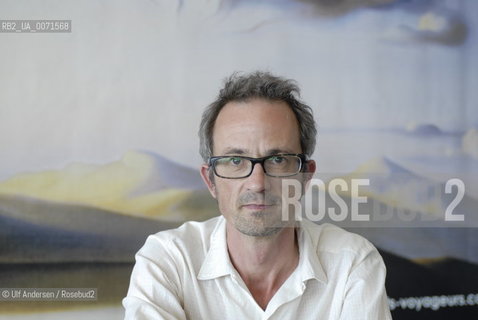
<point x="470" y="143"/>
<point x="433" y="26"/>
<point x="426" y="21"/>
<point x="341" y="7"/>
<point x="423" y="128"/>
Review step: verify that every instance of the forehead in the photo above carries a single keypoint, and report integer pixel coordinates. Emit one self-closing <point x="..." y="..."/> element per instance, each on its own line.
<point x="256" y="126"/>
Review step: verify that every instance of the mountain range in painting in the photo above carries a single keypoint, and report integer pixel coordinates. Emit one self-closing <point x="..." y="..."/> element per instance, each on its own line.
<point x="55" y="228"/>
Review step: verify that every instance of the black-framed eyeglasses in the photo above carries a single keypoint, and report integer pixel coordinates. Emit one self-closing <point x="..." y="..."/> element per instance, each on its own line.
<point x="237" y="167"/>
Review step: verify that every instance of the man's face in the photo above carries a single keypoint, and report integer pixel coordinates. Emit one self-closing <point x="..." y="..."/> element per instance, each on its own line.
<point x="256" y="128"/>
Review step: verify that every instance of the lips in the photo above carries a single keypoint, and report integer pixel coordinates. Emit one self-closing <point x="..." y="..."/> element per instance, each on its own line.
<point x="257" y="206"/>
<point x="258" y="201"/>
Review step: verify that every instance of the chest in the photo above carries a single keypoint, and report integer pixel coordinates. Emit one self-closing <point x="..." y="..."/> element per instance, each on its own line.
<point x="229" y="298"/>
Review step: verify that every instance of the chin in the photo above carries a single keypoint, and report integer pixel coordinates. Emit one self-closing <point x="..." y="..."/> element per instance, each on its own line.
<point x="259" y="227"/>
<point x="261" y="233"/>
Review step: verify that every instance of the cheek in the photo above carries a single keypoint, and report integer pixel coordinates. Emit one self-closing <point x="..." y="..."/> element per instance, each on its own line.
<point x="274" y="187"/>
<point x="292" y="186"/>
<point x="226" y="194"/>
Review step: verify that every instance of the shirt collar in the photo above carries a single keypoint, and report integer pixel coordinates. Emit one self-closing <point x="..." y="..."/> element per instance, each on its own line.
<point x="309" y="264"/>
<point x="217" y="262"/>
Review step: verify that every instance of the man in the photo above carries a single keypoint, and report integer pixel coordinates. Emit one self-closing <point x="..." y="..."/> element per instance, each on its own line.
<point x="250" y="263"/>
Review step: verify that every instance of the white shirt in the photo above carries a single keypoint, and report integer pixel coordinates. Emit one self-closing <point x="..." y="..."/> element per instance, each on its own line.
<point x="186" y="273"/>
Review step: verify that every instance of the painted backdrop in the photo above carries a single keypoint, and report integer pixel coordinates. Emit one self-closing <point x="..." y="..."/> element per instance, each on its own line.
<point x="99" y="147"/>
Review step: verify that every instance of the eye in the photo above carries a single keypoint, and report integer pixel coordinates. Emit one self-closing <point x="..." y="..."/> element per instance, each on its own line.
<point x="277" y="159"/>
<point x="235" y="161"/>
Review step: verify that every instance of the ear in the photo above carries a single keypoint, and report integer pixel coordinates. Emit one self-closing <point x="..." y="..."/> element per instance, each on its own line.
<point x="206" y="177"/>
<point x="309" y="171"/>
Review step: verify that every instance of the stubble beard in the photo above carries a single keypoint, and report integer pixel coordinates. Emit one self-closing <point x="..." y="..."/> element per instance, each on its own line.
<point x="261" y="223"/>
<point x="258" y="227"/>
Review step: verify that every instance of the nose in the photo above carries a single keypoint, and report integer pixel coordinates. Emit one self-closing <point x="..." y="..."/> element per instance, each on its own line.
<point x="257" y="180"/>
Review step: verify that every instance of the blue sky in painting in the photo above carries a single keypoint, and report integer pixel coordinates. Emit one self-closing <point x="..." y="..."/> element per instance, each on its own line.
<point x="136" y="75"/>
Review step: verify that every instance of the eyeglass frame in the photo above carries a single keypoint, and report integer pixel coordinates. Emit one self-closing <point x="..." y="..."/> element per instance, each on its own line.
<point x="303" y="160"/>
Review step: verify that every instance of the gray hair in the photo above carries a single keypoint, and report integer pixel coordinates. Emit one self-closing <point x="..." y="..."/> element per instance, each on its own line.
<point x="263" y="85"/>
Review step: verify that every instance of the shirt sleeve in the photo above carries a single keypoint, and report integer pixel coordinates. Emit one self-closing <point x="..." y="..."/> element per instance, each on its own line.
<point x="365" y="296"/>
<point x="154" y="286"/>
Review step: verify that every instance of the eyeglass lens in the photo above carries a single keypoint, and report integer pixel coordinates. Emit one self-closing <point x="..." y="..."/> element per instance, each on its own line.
<point x="279" y="166"/>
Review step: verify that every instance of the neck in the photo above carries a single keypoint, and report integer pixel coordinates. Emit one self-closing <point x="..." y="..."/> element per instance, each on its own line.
<point x="264" y="263"/>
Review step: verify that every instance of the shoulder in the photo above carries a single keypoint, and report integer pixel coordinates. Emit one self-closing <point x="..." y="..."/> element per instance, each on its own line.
<point x="190" y="238"/>
<point x="328" y="238"/>
<point x="188" y="230"/>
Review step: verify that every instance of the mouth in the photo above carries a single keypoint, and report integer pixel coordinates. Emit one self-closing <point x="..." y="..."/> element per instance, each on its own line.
<point x="257" y="206"/>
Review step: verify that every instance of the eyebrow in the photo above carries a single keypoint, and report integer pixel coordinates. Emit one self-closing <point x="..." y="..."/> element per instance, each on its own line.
<point x="278" y="151"/>
<point x="229" y="151"/>
<point x="237" y="151"/>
